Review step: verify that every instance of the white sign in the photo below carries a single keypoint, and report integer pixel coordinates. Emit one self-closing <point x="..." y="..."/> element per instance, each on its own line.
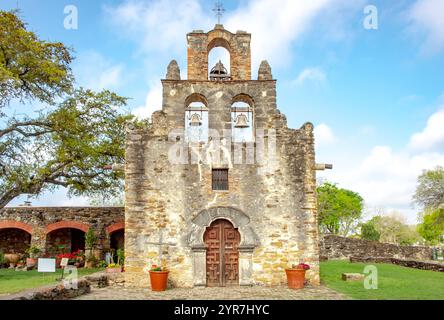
<point x="64" y="262"/>
<point x="46" y="265"/>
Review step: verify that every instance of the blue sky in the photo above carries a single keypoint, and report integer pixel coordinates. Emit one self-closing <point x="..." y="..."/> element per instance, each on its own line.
<point x="376" y="97"/>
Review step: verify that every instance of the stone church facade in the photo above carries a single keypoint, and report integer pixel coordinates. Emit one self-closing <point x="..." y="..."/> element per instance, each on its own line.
<point x="213" y="211"/>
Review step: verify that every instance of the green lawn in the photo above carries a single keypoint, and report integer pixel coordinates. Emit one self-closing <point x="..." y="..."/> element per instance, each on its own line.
<point x="12" y="281"/>
<point x="394" y="282"/>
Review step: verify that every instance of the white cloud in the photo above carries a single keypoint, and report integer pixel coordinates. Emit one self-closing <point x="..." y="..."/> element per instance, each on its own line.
<point x="315" y="75"/>
<point x="153" y="102"/>
<point x="94" y="71"/>
<point x="323" y="135"/>
<point x="386" y="178"/>
<point x="275" y="25"/>
<point x="426" y="17"/>
<point x="432" y="137"/>
<point x="158" y="26"/>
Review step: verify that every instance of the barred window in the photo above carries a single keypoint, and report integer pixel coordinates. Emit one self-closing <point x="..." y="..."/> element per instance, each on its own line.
<point x="220" y="179"/>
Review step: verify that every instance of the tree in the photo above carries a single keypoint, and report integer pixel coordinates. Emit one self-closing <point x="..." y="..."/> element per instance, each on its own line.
<point x="432" y="226"/>
<point x="339" y="209"/>
<point x="69" y="147"/>
<point x="31" y="68"/>
<point x="430" y="190"/>
<point x="369" y="232"/>
<point x="66" y="144"/>
<point x="393" y="229"/>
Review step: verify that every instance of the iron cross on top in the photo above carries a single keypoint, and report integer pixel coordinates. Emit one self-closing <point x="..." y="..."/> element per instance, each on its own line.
<point x="219" y="9"/>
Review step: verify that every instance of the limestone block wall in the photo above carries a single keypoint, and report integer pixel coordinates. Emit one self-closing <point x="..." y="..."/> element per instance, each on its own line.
<point x="335" y="247"/>
<point x="40" y="221"/>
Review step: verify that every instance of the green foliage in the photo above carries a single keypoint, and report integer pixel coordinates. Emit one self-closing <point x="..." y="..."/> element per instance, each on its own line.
<point x="430" y="190"/>
<point x="432" y="226"/>
<point x="33" y="251"/>
<point x="120" y="257"/>
<point x="90" y="239"/>
<point x="393" y="230"/>
<point x="31" y="68"/>
<point x="101" y="200"/>
<point x="67" y="143"/>
<point x="102" y="264"/>
<point x="369" y="232"/>
<point x="394" y="282"/>
<point x="339" y="209"/>
<point x="156" y="269"/>
<point x="69" y="147"/>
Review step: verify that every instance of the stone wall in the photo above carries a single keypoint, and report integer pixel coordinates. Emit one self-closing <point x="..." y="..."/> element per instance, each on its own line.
<point x="52" y="292"/>
<point x="335" y="247"/>
<point x="422" y="265"/>
<point x="44" y="223"/>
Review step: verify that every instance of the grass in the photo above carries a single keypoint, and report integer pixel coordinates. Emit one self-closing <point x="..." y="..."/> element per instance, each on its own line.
<point x="12" y="281"/>
<point x="394" y="282"/>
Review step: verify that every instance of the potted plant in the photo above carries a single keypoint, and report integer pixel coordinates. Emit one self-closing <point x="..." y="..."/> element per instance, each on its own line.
<point x="33" y="253"/>
<point x="296" y="276"/>
<point x="116" y="267"/>
<point x="90" y="242"/>
<point x="20" y="263"/>
<point x="120" y="257"/>
<point x="90" y="239"/>
<point x="79" y="258"/>
<point x="113" y="268"/>
<point x="12" y="259"/>
<point x="159" y="278"/>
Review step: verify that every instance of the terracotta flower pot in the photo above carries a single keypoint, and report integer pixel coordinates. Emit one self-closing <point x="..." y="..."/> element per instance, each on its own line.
<point x="12" y="259"/>
<point x="31" y="262"/>
<point x="295" y="278"/>
<point x="114" y="270"/>
<point x="159" y="280"/>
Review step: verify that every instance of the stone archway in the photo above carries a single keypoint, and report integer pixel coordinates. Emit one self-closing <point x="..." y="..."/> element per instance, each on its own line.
<point x="65" y="236"/>
<point x="15" y="236"/>
<point x="116" y="236"/>
<point x="249" y="241"/>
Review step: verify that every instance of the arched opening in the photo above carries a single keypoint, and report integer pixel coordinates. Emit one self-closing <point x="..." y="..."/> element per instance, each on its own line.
<point x="14" y="240"/>
<point x="65" y="240"/>
<point x="222" y="254"/>
<point x="219" y="51"/>
<point x="117" y="241"/>
<point x="196" y="119"/>
<point x="242" y="119"/>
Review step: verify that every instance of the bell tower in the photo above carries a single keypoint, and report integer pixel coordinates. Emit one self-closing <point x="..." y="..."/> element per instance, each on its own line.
<point x="218" y="188"/>
<point x="237" y="44"/>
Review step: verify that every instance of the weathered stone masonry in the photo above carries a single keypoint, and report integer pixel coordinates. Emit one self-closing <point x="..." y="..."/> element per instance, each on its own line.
<point x="169" y="206"/>
<point x="35" y="225"/>
<point x="335" y="247"/>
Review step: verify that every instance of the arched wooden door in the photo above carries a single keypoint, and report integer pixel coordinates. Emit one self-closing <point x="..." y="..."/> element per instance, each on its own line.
<point x="222" y="242"/>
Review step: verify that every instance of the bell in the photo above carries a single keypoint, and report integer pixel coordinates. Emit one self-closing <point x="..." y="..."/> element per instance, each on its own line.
<point x="241" y="122"/>
<point x="195" y="120"/>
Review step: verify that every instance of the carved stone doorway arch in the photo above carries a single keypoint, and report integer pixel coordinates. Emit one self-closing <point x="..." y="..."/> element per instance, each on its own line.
<point x="249" y="241"/>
